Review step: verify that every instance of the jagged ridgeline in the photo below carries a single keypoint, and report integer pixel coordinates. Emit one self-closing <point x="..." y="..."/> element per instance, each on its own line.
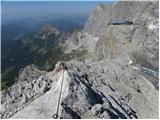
<point x="109" y="69"/>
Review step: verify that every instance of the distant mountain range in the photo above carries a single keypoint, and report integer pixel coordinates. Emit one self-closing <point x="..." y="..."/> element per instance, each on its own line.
<point x="17" y="29"/>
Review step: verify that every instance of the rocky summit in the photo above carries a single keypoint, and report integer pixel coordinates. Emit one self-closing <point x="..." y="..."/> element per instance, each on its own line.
<point x="113" y="74"/>
<point x="46" y="31"/>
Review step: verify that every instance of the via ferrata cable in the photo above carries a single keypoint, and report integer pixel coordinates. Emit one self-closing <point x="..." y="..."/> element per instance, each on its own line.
<point x="55" y="116"/>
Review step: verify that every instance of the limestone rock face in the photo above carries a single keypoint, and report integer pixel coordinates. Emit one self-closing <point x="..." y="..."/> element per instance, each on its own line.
<point x="117" y="77"/>
<point x="137" y="42"/>
<point x="59" y="66"/>
<point x="29" y="86"/>
<point x="81" y="40"/>
<point x="139" y="12"/>
<point x="29" y="73"/>
<point x="106" y="89"/>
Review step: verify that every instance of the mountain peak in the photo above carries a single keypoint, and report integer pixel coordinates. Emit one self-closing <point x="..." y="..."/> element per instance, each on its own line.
<point x="48" y="30"/>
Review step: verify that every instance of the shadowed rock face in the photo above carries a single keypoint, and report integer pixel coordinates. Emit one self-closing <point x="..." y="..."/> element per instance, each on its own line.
<point x="117" y="77"/>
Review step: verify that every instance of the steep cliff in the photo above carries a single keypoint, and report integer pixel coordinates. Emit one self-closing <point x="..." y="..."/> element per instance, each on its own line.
<point x="114" y="73"/>
<point x="136" y="43"/>
<point x="139" y="12"/>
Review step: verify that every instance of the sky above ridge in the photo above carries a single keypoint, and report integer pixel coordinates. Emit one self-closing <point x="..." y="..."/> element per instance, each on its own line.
<point x="24" y="9"/>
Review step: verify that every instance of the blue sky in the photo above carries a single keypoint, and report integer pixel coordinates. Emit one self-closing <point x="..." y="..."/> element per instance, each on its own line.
<point x="24" y="9"/>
